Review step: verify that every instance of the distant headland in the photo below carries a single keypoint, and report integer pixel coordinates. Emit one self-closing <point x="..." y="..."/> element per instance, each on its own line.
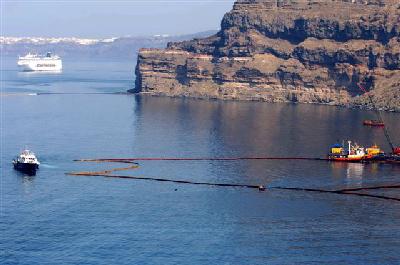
<point x="308" y="51"/>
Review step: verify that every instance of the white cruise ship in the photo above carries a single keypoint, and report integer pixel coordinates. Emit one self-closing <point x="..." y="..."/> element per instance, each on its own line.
<point x="34" y="62"/>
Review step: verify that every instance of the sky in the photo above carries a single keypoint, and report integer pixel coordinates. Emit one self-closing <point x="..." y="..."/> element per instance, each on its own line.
<point x="108" y="18"/>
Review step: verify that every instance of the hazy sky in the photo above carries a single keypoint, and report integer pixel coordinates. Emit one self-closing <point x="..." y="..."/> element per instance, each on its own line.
<point x="107" y="18"/>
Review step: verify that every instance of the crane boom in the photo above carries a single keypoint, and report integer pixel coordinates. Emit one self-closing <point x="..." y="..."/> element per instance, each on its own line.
<point x="378" y="114"/>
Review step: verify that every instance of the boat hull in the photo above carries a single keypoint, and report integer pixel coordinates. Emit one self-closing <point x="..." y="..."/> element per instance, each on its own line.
<point x="27" y="168"/>
<point x="345" y="159"/>
<point x="373" y="123"/>
<point x="392" y="158"/>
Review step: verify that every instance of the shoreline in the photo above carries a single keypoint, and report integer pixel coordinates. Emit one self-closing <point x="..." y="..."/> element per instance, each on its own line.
<point x="348" y="106"/>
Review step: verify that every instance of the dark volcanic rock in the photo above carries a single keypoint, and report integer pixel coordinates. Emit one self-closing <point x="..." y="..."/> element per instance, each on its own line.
<point x="311" y="51"/>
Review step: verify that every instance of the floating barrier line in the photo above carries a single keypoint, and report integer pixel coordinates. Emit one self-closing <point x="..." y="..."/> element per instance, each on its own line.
<point x="107" y="160"/>
<point x="343" y="192"/>
<point x="371" y="188"/>
<point x="120" y="169"/>
<point x="259" y="187"/>
<point x="132" y="160"/>
<point x="106" y="174"/>
<point x="372" y="196"/>
<point x="197" y="159"/>
<point x="96" y="174"/>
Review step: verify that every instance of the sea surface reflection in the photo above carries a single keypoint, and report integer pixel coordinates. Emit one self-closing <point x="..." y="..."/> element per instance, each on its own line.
<point x="54" y="218"/>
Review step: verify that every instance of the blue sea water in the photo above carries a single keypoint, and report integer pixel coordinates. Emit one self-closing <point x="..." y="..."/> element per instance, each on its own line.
<point x="54" y="218"/>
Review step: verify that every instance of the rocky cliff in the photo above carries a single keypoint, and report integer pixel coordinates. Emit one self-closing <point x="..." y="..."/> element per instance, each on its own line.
<point x="310" y="51"/>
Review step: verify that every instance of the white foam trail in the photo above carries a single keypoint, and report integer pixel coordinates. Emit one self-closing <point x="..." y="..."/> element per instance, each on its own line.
<point x="47" y="166"/>
<point x="8" y="94"/>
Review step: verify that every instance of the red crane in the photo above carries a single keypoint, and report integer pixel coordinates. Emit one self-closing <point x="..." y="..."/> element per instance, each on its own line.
<point x="395" y="150"/>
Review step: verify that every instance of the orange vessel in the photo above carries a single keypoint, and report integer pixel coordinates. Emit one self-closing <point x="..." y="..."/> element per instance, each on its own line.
<point x="396" y="151"/>
<point x="352" y="153"/>
<point x="355" y="153"/>
<point x="373" y="123"/>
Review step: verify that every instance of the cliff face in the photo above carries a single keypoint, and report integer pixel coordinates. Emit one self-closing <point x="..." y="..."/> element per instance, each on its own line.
<point x="311" y="51"/>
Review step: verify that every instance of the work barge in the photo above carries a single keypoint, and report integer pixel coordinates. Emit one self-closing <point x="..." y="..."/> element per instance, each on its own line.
<point x="354" y="153"/>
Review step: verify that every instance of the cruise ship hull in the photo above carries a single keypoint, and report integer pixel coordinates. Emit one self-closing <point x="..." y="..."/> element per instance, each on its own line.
<point x="49" y="66"/>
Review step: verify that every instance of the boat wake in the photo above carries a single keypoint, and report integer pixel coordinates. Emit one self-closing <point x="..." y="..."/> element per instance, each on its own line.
<point x="17" y="94"/>
<point x="48" y="166"/>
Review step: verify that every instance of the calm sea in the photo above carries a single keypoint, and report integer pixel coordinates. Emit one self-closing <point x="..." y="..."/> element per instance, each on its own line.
<point x="53" y="218"/>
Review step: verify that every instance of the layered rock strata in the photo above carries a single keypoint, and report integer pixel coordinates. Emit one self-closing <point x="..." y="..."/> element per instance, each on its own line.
<point x="308" y="51"/>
